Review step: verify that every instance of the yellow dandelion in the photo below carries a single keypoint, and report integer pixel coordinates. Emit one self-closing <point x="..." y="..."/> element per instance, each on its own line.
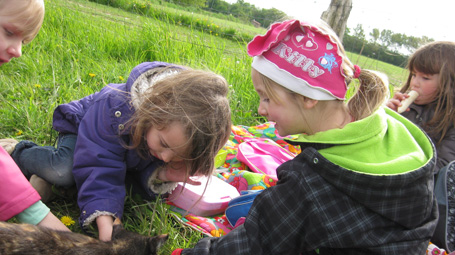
<point x="37" y="86"/>
<point x="121" y="78"/>
<point x="19" y="132"/>
<point x="92" y="75"/>
<point x="67" y="220"/>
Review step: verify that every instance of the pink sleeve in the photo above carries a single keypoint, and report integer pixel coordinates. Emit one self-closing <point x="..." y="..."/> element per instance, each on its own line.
<point x="16" y="193"/>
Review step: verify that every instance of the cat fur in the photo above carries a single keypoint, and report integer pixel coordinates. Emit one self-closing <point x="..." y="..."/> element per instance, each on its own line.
<point x="27" y="239"/>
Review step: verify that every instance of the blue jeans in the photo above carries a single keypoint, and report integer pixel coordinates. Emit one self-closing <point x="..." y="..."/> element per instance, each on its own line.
<point x="54" y="165"/>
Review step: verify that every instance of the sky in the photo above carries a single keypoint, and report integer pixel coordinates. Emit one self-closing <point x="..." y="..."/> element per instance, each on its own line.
<point x="434" y="19"/>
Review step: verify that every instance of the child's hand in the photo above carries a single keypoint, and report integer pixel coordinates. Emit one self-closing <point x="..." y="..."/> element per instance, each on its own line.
<point x="395" y="102"/>
<point x="176" y="172"/>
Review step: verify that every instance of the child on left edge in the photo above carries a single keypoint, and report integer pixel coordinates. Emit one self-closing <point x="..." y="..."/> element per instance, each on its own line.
<point x="20" y="22"/>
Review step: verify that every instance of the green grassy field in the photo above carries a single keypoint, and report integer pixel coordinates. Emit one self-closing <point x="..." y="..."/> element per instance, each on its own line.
<point x="84" y="45"/>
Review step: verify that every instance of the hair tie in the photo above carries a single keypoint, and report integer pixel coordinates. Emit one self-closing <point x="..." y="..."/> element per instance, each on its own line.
<point x="357" y="71"/>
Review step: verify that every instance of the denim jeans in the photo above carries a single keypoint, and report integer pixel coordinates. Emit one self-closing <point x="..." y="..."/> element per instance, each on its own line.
<point x="54" y="165"/>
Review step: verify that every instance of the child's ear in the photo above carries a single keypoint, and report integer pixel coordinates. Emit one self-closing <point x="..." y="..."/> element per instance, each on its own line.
<point x="309" y="103"/>
<point x="156" y="242"/>
<point x="117" y="221"/>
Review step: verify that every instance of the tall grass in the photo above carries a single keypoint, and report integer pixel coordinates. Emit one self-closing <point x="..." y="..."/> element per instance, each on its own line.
<point x="227" y="27"/>
<point x="85" y="45"/>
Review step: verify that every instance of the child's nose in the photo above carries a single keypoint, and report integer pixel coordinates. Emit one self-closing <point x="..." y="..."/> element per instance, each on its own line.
<point x="416" y="81"/>
<point x="167" y="156"/>
<point x="15" y="49"/>
<point x="261" y="110"/>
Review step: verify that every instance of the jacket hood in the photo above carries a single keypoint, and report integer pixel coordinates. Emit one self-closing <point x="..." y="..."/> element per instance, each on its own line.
<point x="144" y="76"/>
<point x="389" y="162"/>
<point x="140" y="71"/>
<point x="383" y="143"/>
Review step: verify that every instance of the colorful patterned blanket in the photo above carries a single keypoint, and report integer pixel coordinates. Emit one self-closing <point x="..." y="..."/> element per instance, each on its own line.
<point x="237" y="174"/>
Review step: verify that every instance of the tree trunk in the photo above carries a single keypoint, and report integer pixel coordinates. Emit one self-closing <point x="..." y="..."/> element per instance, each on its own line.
<point x="337" y="16"/>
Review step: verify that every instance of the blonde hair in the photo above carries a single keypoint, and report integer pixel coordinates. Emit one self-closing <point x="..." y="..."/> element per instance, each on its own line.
<point x="197" y="100"/>
<point x="437" y="58"/>
<point x="369" y="95"/>
<point x="28" y="12"/>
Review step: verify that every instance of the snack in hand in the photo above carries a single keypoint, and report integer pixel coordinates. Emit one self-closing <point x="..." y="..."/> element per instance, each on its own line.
<point x="408" y="101"/>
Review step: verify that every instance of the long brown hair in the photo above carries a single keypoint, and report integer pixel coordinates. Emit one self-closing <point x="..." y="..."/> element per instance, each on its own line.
<point x="437" y="58"/>
<point x="198" y="101"/>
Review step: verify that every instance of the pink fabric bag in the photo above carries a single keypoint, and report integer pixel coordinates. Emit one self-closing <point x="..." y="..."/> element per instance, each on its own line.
<point x="263" y="155"/>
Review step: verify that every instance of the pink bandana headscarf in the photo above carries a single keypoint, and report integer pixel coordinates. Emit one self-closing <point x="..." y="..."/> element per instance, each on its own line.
<point x="301" y="58"/>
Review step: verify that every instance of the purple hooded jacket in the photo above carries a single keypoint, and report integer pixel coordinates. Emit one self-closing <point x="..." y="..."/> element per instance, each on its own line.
<point x="100" y="158"/>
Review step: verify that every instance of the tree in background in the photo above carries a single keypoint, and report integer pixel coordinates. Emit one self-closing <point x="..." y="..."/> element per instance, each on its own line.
<point x="337" y="16"/>
<point x="197" y="3"/>
<point x="269" y="16"/>
<point x="246" y="11"/>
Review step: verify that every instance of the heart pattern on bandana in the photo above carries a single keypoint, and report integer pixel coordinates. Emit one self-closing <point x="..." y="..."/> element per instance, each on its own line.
<point x="304" y="41"/>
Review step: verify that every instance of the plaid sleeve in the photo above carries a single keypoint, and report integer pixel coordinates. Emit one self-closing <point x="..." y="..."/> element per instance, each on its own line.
<point x="278" y="220"/>
<point x="274" y="224"/>
<point x="236" y="242"/>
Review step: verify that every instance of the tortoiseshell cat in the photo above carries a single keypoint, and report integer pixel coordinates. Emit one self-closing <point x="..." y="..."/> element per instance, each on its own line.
<point x="29" y="239"/>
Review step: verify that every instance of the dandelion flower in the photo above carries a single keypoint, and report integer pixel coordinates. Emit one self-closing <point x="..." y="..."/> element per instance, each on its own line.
<point x="37" y="86"/>
<point x="121" y="78"/>
<point x="67" y="220"/>
<point x="19" y="132"/>
<point x="92" y="75"/>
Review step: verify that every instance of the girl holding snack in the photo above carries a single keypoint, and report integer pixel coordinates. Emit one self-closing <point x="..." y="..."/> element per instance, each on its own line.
<point x="363" y="183"/>
<point x="432" y="77"/>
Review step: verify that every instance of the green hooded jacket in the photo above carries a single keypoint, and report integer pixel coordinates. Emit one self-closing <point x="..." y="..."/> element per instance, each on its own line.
<point x="370" y="145"/>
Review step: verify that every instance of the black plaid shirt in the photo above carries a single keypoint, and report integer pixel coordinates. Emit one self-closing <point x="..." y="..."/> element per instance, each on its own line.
<point x="317" y="205"/>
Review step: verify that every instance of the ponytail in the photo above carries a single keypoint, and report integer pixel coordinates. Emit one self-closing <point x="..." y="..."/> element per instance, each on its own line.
<point x="369" y="95"/>
<point x="372" y="89"/>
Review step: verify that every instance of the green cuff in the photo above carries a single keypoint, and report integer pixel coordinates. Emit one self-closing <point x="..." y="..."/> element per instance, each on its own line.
<point x="34" y="214"/>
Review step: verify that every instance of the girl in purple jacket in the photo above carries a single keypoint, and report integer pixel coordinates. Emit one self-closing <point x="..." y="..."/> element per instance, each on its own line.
<point x="164" y="125"/>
